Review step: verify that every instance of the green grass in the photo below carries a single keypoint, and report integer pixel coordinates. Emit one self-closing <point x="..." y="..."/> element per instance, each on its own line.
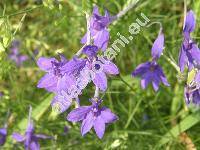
<point x="51" y="30"/>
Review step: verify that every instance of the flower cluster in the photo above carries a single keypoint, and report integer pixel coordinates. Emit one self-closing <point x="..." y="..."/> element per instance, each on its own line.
<point x="68" y="78"/>
<point x="150" y="71"/>
<point x="190" y="56"/>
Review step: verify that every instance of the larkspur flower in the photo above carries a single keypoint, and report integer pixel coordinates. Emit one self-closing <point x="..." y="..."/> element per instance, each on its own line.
<point x="98" y="29"/>
<point x="73" y="70"/>
<point x="101" y="72"/>
<point x="80" y="73"/>
<point x="91" y="69"/>
<point x="151" y="72"/>
<point x="192" y="91"/>
<point x="189" y="52"/>
<point x="3" y="135"/>
<point x="74" y="66"/>
<point x="30" y="139"/>
<point x="90" y="51"/>
<point x="99" y="69"/>
<point x="15" y="55"/>
<point x="69" y="89"/>
<point x="55" y="78"/>
<point x="61" y="102"/>
<point x="92" y="116"/>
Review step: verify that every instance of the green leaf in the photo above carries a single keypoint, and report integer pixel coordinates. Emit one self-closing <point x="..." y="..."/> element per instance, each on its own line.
<point x="37" y="112"/>
<point x="184" y="125"/>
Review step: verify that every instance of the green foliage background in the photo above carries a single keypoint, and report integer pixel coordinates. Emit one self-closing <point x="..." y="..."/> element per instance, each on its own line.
<point x="53" y="27"/>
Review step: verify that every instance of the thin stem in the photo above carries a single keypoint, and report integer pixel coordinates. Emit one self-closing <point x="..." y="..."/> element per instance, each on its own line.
<point x="88" y="29"/>
<point x="7" y="116"/>
<point x="20" y="24"/>
<point x="77" y="102"/>
<point x="88" y="35"/>
<point x="156" y="22"/>
<point x="185" y="12"/>
<point x="126" y="8"/>
<point x="4" y="10"/>
<point x="172" y="63"/>
<point x="29" y="115"/>
<point x="126" y="83"/>
<point x="96" y="94"/>
<point x="22" y="12"/>
<point x="80" y="51"/>
<point x="133" y="113"/>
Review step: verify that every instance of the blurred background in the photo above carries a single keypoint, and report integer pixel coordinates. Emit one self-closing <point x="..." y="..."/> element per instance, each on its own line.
<point x="147" y="120"/>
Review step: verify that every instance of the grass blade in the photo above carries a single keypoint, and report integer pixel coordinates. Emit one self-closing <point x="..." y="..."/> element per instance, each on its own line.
<point x="184" y="125"/>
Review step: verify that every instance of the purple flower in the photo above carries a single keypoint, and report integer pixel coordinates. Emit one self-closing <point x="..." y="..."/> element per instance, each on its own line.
<point x="55" y="78"/>
<point x="69" y="88"/>
<point x="3" y="134"/>
<point x="61" y="79"/>
<point x="98" y="29"/>
<point x="61" y="102"/>
<point x="68" y="78"/>
<point x="151" y="72"/>
<point x="101" y="70"/>
<point x="74" y="69"/>
<point x="1" y="94"/>
<point x="189" y="52"/>
<point x="90" y="51"/>
<point x="97" y="69"/>
<point x="74" y="66"/>
<point x="192" y="91"/>
<point x="189" y="22"/>
<point x="92" y="116"/>
<point x="91" y="69"/>
<point x="158" y="47"/>
<point x="30" y="139"/>
<point x="15" y="55"/>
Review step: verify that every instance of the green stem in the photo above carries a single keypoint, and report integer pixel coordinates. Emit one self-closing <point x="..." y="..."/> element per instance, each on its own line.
<point x="133" y="113"/>
<point x="126" y="83"/>
<point x="21" y="12"/>
<point x="172" y="63"/>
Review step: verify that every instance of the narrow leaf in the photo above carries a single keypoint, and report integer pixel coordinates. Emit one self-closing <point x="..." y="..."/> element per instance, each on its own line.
<point x="184" y="125"/>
